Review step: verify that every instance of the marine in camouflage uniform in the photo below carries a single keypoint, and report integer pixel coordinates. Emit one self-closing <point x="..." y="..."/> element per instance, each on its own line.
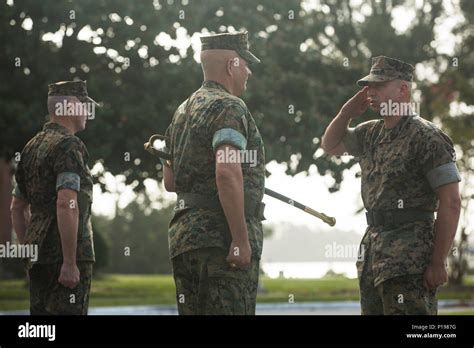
<point x="401" y="167"/>
<point x="54" y="160"/>
<point x="199" y="236"/>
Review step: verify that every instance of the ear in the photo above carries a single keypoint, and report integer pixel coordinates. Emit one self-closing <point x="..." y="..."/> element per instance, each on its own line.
<point x="403" y="90"/>
<point x="230" y="66"/>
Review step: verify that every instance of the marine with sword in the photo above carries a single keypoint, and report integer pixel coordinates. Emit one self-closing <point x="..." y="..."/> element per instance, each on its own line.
<point x="215" y="235"/>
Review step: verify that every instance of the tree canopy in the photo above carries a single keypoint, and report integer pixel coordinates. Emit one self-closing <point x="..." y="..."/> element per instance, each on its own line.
<point x="138" y="60"/>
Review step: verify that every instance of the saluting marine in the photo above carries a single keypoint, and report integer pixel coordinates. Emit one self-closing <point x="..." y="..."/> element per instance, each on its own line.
<point x="408" y="172"/>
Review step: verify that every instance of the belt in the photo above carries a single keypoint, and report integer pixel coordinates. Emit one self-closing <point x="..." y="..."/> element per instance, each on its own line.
<point x="397" y="217"/>
<point x="195" y="200"/>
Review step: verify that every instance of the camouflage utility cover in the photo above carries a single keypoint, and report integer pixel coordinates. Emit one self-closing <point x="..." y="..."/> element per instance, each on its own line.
<point x="387" y="69"/>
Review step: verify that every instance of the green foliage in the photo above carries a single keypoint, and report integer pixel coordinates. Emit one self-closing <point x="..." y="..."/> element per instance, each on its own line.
<point x="137" y="239"/>
<point x="293" y="94"/>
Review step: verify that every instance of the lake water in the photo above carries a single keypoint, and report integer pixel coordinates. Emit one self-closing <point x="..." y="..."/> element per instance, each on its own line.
<point x="308" y="269"/>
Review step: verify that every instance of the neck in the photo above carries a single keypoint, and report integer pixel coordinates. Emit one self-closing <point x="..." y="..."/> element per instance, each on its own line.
<point x="64" y="122"/>
<point x="391" y="121"/>
<point x="221" y="80"/>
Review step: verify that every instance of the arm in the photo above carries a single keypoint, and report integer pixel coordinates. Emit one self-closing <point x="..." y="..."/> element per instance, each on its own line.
<point x="230" y="187"/>
<point x="68" y="221"/>
<point x="332" y="139"/>
<point x="19" y="212"/>
<point x="168" y="178"/>
<point x="444" y="233"/>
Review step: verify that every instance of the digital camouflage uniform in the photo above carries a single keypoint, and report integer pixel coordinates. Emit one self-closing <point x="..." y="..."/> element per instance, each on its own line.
<point x="53" y="160"/>
<point x="199" y="237"/>
<point x="400" y="167"/>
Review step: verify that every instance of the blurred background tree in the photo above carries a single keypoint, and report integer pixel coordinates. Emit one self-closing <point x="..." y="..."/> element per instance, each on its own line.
<point x="136" y="239"/>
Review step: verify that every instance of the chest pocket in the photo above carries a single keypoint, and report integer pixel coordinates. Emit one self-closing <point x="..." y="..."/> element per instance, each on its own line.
<point x="394" y="160"/>
<point x="388" y="162"/>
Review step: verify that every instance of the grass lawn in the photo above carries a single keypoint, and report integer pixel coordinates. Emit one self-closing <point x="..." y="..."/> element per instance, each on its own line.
<point x="125" y="290"/>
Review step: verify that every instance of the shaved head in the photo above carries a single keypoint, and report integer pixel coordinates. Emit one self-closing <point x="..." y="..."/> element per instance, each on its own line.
<point x="59" y="112"/>
<point x="215" y="62"/>
<point x="227" y="68"/>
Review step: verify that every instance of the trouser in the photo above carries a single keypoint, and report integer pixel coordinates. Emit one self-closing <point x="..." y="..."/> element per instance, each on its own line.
<point x="49" y="297"/>
<point x="207" y="285"/>
<point x="402" y="295"/>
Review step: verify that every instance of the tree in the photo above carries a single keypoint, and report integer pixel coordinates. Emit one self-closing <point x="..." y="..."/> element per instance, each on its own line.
<point x="130" y="53"/>
<point x="137" y="238"/>
<point x="311" y="60"/>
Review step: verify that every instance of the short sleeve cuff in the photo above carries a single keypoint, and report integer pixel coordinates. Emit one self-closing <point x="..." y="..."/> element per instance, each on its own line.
<point x="229" y="136"/>
<point x="68" y="180"/>
<point x="17" y="193"/>
<point x="442" y="175"/>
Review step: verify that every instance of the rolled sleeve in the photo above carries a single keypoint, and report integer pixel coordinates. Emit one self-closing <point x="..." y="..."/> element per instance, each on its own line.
<point x="230" y="126"/>
<point x="229" y="136"/>
<point x="68" y="180"/>
<point x="437" y="159"/>
<point x="443" y="175"/>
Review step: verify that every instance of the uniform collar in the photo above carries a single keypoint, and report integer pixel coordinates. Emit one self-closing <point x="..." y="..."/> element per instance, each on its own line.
<point x="57" y="127"/>
<point x="214" y="84"/>
<point x="399" y="131"/>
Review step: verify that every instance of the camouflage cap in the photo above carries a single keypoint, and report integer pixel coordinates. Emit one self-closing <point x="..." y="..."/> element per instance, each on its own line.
<point x="230" y="41"/>
<point x="71" y="88"/>
<point x="387" y="69"/>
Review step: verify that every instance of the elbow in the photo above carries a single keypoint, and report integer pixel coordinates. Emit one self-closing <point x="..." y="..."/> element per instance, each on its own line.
<point x="455" y="204"/>
<point x="452" y="204"/>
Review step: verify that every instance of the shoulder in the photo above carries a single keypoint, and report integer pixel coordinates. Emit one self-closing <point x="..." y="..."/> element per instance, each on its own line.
<point x="181" y="107"/>
<point x="70" y="146"/>
<point x="220" y="100"/>
<point x="420" y="125"/>
<point x="424" y="131"/>
<point x="230" y="104"/>
<point x="71" y="142"/>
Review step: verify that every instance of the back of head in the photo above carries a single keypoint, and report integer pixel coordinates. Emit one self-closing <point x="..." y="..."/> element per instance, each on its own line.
<point x="214" y="62"/>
